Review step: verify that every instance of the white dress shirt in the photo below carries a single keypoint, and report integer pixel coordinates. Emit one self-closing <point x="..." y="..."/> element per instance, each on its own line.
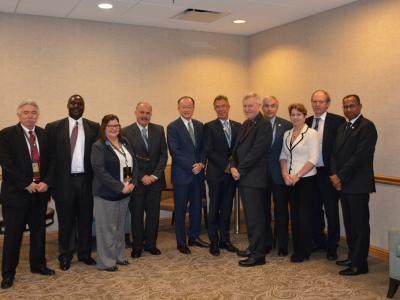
<point x="77" y="159"/>
<point x="320" y="131"/>
<point x="186" y="122"/>
<point x="123" y="160"/>
<point x="304" y="149"/>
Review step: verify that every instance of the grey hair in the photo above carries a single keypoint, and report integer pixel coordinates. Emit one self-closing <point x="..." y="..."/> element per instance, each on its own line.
<point x="270" y="98"/>
<point x="27" y="102"/>
<point x="143" y="102"/>
<point x="253" y="95"/>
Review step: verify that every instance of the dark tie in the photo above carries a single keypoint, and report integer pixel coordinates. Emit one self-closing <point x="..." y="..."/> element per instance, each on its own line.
<point x="74" y="137"/>
<point x="35" y="157"/>
<point x="348" y="126"/>
<point x="247" y="127"/>
<point x="316" y="123"/>
<point x="145" y="138"/>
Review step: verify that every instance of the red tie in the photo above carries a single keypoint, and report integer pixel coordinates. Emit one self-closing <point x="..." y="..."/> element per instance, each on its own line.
<point x="34" y="153"/>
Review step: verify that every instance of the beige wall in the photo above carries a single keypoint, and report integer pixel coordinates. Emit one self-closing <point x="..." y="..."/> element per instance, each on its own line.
<point x="352" y="49"/>
<point x="113" y="66"/>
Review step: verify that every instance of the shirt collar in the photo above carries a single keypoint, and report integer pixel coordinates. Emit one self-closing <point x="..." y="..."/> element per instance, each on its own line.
<point x="26" y="130"/>
<point x="141" y="127"/>
<point x="223" y="121"/>
<point x="322" y="117"/>
<point x="273" y="120"/>
<point x="352" y="121"/>
<point x="72" y="121"/>
<point x="186" y="121"/>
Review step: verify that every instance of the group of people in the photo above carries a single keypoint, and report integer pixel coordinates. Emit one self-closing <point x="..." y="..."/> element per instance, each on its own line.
<point x="101" y="171"/>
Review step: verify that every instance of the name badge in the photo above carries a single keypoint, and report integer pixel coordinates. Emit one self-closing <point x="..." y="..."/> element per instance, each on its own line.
<point x="127" y="173"/>
<point x="36" y="169"/>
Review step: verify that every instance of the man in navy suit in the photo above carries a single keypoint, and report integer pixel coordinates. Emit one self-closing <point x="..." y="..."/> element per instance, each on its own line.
<point x="185" y="143"/>
<point x="326" y="197"/>
<point x="219" y="138"/>
<point x="276" y="186"/>
<point x="27" y="175"/>
<point x="353" y="175"/>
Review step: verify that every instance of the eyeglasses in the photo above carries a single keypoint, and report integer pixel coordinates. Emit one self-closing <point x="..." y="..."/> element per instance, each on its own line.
<point x="113" y="126"/>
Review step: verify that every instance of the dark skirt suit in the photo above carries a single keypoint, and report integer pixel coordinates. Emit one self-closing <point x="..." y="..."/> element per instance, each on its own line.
<point x="305" y="148"/>
<point x="110" y="204"/>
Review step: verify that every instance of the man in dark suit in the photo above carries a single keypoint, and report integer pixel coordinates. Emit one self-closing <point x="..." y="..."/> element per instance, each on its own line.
<point x="24" y="191"/>
<point x="71" y="142"/>
<point x="148" y="143"/>
<point x="326" y="197"/>
<point x="353" y="175"/>
<point x="185" y="142"/>
<point x="249" y="166"/>
<point x="275" y="184"/>
<point x="219" y="138"/>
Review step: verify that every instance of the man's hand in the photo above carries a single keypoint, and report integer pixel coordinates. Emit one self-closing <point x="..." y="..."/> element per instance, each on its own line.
<point x="31" y="188"/>
<point x="235" y="173"/>
<point x="128" y="188"/>
<point x="42" y="187"/>
<point x="147" y="180"/>
<point x="196" y="168"/>
<point x="337" y="184"/>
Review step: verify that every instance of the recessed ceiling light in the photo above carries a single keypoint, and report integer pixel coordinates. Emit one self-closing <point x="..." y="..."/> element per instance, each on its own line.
<point x="105" y="5"/>
<point x="239" y="21"/>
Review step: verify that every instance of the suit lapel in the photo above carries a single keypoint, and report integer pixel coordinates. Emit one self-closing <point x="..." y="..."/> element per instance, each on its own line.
<point x="139" y="137"/>
<point x="67" y="140"/>
<point x="22" y="141"/>
<point x="221" y="131"/>
<point x="186" y="132"/>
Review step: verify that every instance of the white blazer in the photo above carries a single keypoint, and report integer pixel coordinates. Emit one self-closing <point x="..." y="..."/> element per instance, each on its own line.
<point x="304" y="148"/>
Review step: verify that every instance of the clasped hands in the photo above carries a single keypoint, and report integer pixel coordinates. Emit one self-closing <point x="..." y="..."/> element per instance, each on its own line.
<point x="337" y="184"/>
<point x="128" y="188"/>
<point x="290" y="180"/>
<point x="34" y="187"/>
<point x="197" y="167"/>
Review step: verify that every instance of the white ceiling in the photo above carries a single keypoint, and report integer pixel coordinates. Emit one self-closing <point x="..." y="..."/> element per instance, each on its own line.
<point x="260" y="14"/>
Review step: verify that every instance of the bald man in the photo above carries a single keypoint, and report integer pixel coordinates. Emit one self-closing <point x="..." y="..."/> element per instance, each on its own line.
<point x="148" y="143"/>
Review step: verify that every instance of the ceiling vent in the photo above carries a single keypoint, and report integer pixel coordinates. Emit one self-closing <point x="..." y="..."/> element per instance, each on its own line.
<point x="199" y="15"/>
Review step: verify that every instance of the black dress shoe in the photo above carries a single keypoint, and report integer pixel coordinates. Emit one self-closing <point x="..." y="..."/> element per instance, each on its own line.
<point x="214" y="249"/>
<point x="353" y="271"/>
<point x="344" y="263"/>
<point x="123" y="263"/>
<point x="283" y="252"/>
<point x="42" y="270"/>
<point x="7" y="282"/>
<point x="251" y="262"/>
<point x="243" y="253"/>
<point x="136" y="253"/>
<point x="65" y="263"/>
<point x="331" y="255"/>
<point x="153" y="251"/>
<point x="298" y="258"/>
<point x="198" y="243"/>
<point x="228" y="246"/>
<point x="87" y="261"/>
<point x="110" y="269"/>
<point x="183" y="249"/>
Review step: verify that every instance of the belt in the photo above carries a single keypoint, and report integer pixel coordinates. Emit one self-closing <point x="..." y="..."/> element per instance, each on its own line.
<point x="77" y="174"/>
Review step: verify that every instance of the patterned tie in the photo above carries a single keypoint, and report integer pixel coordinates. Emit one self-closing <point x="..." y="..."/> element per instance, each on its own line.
<point x="273" y="132"/>
<point x="74" y="137"/>
<point x="35" y="157"/>
<point x="191" y="133"/>
<point x="228" y="134"/>
<point x="316" y="123"/>
<point x="145" y="138"/>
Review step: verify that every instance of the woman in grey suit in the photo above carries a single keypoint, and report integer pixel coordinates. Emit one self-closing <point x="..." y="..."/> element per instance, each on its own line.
<point x="115" y="177"/>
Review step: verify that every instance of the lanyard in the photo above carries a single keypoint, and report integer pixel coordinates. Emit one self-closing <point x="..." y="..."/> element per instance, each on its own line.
<point x="30" y="143"/>
<point x="120" y="151"/>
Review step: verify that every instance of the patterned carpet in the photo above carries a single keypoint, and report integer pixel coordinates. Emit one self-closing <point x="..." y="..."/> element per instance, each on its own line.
<point x="198" y="276"/>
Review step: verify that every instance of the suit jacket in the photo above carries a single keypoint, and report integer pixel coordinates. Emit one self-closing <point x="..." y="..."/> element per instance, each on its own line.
<point x="251" y="152"/>
<point x="153" y="160"/>
<point x="353" y="156"/>
<point x="107" y="170"/>
<point x="332" y="122"/>
<point x="60" y="152"/>
<point x="15" y="161"/>
<point x="184" y="154"/>
<point x="274" y="167"/>
<point x="217" y="149"/>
